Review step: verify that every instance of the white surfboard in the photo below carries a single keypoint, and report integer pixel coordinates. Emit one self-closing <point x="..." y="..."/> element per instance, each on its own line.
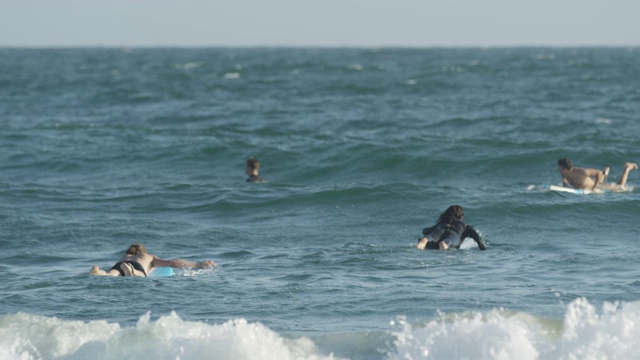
<point x="580" y="191"/>
<point x="570" y="190"/>
<point x="587" y="192"/>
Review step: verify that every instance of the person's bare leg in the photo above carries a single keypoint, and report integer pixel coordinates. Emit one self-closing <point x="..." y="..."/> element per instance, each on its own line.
<point x="601" y="176"/>
<point x="95" y="270"/>
<point x="625" y="174"/>
<point x="443" y="245"/>
<point x="422" y="243"/>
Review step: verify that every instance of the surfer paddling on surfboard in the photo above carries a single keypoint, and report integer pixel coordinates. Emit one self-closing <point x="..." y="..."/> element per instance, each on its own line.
<point x="449" y="232"/>
<point x="137" y="262"/>
<point x="591" y="179"/>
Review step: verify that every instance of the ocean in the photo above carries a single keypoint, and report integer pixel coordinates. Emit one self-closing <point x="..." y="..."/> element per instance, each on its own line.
<point x="362" y="149"/>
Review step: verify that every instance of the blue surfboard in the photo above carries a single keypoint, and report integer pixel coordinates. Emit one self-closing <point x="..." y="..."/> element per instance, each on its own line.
<point x="161" y="272"/>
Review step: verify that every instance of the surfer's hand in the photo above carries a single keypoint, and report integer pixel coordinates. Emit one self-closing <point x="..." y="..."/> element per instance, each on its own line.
<point x="206" y="264"/>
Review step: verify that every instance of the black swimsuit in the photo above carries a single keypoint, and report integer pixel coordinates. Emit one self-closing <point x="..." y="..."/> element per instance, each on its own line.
<point x="136" y="265"/>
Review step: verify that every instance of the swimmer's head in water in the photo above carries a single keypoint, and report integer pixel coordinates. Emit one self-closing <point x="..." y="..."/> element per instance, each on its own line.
<point x="453" y="212"/>
<point x="565" y="164"/>
<point x="136" y="249"/>
<point x="252" y="165"/>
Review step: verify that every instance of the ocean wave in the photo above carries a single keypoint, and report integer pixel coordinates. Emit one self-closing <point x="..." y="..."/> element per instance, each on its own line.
<point x="584" y="333"/>
<point x="28" y="336"/>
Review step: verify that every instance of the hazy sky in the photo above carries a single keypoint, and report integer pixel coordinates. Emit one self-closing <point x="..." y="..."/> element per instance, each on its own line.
<point x="370" y="23"/>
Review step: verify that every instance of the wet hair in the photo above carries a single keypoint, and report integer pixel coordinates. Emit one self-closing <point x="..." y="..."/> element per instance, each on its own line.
<point x="253" y="163"/>
<point x="136" y="249"/>
<point x="565" y="163"/>
<point x="453" y="213"/>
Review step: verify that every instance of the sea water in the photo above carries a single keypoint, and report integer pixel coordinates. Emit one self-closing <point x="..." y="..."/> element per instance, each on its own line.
<point x="362" y="148"/>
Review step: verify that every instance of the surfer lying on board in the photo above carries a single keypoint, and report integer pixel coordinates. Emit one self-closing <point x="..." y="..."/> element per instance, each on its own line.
<point x="590" y="179"/>
<point x="449" y="231"/>
<point x="137" y="262"/>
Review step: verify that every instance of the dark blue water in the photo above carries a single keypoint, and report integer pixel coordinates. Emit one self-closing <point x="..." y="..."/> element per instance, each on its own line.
<point x="100" y="148"/>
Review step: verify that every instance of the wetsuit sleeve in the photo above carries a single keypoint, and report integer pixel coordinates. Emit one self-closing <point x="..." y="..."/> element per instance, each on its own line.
<point x="469" y="231"/>
<point x="429" y="230"/>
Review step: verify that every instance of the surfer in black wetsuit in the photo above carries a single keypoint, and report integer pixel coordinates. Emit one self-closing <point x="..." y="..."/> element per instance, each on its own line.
<point x="449" y="232"/>
<point x="253" y="166"/>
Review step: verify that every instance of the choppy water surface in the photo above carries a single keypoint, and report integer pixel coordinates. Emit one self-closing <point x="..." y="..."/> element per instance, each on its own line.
<point x="362" y="148"/>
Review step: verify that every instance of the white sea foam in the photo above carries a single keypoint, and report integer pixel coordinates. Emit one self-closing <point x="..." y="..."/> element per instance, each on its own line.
<point x="189" y="65"/>
<point x="585" y="333"/>
<point x="232" y="75"/>
<point x="26" y="336"/>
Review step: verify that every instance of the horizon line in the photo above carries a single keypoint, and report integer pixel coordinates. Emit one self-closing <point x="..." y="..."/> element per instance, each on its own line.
<point x="283" y="46"/>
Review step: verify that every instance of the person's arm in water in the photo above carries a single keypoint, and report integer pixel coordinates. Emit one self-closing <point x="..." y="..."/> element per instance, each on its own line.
<point x="469" y="231"/>
<point x="179" y="263"/>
